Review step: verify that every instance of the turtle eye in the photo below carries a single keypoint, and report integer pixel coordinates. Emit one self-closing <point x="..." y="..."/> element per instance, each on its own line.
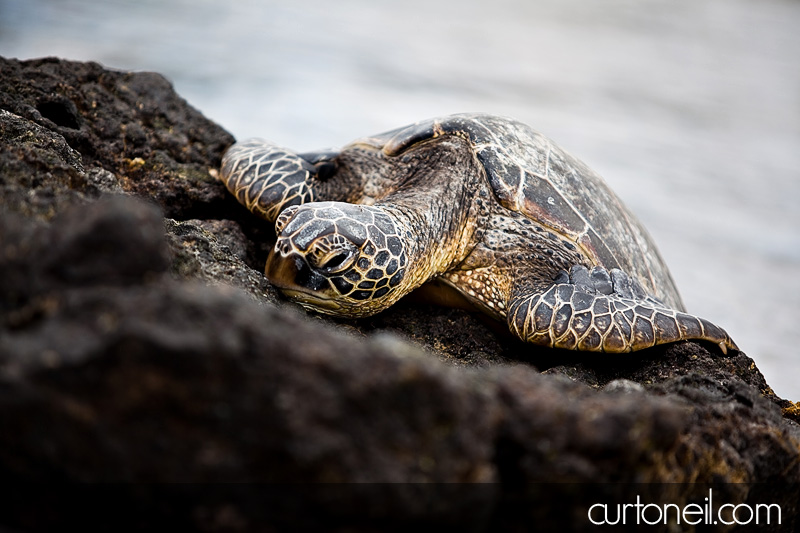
<point x="331" y="253"/>
<point x="333" y="261"/>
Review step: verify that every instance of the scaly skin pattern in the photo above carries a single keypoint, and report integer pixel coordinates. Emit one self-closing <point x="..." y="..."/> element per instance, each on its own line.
<point x="266" y="179"/>
<point x="608" y="313"/>
<point x="492" y="209"/>
<point x="354" y="260"/>
<point x="364" y="259"/>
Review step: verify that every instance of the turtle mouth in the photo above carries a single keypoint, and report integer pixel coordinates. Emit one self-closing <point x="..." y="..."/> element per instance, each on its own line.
<point x="311" y="300"/>
<point x="293" y="277"/>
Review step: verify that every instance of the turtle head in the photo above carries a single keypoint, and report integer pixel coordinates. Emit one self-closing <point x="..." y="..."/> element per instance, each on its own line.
<point x="337" y="258"/>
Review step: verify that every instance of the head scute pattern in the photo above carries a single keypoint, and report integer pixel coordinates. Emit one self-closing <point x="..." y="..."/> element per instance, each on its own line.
<point x="483" y="204"/>
<point x="352" y="252"/>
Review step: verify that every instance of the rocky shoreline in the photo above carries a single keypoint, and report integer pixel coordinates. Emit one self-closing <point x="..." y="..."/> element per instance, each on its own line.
<point x="141" y="346"/>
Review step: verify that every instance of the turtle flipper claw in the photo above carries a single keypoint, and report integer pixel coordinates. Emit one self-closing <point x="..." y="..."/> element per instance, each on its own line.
<point x="579" y="312"/>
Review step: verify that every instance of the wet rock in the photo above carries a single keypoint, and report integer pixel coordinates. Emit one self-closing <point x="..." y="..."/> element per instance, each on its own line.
<point x="132" y="125"/>
<point x="41" y="173"/>
<point x="114" y="241"/>
<point x="139" y="343"/>
<point x="214" y="251"/>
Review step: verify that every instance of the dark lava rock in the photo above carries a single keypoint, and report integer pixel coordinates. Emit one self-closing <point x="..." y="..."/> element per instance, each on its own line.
<point x="149" y="355"/>
<point x="132" y="125"/>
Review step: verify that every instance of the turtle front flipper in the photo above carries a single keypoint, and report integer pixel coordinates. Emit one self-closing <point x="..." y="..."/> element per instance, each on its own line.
<point x="266" y="178"/>
<point x="604" y="312"/>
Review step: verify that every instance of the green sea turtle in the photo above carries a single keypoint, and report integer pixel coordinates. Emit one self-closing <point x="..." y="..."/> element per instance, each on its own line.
<point x="479" y="203"/>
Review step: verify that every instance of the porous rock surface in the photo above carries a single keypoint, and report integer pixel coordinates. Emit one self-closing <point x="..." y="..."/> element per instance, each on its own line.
<point x="141" y="345"/>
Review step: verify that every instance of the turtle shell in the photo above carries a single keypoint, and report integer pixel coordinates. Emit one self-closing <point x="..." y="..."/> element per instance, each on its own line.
<point x="533" y="176"/>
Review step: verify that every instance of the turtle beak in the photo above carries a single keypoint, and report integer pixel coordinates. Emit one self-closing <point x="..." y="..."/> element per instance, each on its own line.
<point x="291" y="272"/>
<point x="282" y="271"/>
<point x="292" y="275"/>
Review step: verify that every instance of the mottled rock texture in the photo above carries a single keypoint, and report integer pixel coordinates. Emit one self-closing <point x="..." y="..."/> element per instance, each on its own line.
<point x="141" y="345"/>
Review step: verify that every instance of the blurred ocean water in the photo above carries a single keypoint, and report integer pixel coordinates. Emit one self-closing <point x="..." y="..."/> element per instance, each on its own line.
<point x="689" y="108"/>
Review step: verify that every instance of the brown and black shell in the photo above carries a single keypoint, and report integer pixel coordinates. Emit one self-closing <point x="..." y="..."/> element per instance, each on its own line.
<point x="533" y="176"/>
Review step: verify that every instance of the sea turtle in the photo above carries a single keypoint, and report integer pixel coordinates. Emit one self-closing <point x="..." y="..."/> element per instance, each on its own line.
<point x="478" y="203"/>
